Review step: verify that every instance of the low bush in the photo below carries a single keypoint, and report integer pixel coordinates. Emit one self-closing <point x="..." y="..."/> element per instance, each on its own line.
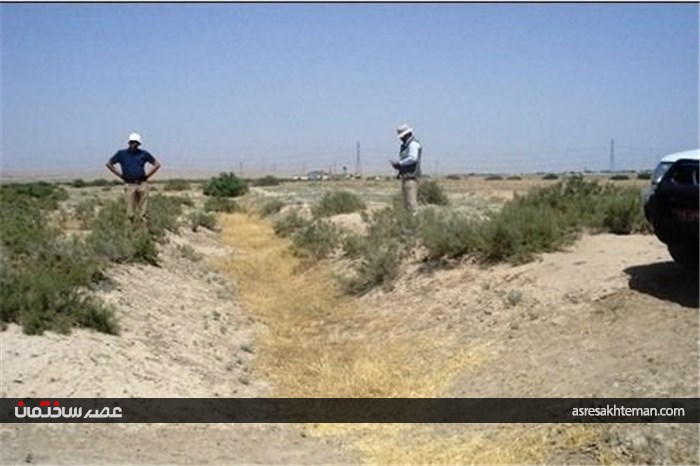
<point x="23" y="226"/>
<point x="317" y="239"/>
<point x="354" y="245"/>
<point x="85" y="212"/>
<point x="514" y="178"/>
<point x="644" y="175"/>
<point x="114" y="240"/>
<point x="619" y="177"/>
<point x="41" y="195"/>
<point x="100" y="182"/>
<point x="271" y="207"/>
<point x="266" y="181"/>
<point x="48" y="292"/>
<point x="379" y="266"/>
<point x="430" y="192"/>
<point x="176" y="184"/>
<point x="391" y="233"/>
<point x="220" y="204"/>
<point x="289" y="223"/>
<point x="392" y="223"/>
<point x="338" y="202"/>
<point x="225" y="185"/>
<point x="517" y="233"/>
<point x="544" y="219"/>
<point x="79" y="183"/>
<point x="446" y="235"/>
<point x="164" y="213"/>
<point x="623" y="213"/>
<point x="202" y="219"/>
<point x="493" y="178"/>
<point x="43" y="277"/>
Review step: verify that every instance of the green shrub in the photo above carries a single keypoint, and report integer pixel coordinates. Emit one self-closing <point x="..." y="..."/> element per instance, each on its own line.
<point x="202" y="219"/>
<point x="354" y="245"/>
<point x="392" y="223"/>
<point x="446" y="235"/>
<point x="514" y="178"/>
<point x="181" y="200"/>
<point x="98" y="183"/>
<point x="79" y="183"/>
<point x="624" y="213"/>
<point x="378" y="267"/>
<point x="430" y="192"/>
<point x="266" y="181"/>
<point x="85" y="212"/>
<point x="48" y="293"/>
<point x="177" y="184"/>
<point x="43" y="277"/>
<point x="164" y="213"/>
<point x="113" y="239"/>
<point x="317" y="239"/>
<point x="391" y="233"/>
<point x="619" y="177"/>
<point x="550" y="217"/>
<point x="646" y="175"/>
<point x="289" y="223"/>
<point x="517" y="233"/>
<point x="225" y="185"/>
<point x="23" y="225"/>
<point x="220" y="204"/>
<point x="42" y="195"/>
<point x="338" y="202"/>
<point x="271" y="207"/>
<point x="454" y="177"/>
<point x="550" y="176"/>
<point x="493" y="178"/>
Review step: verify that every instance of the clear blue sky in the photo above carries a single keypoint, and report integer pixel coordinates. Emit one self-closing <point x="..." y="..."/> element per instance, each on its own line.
<point x="487" y="87"/>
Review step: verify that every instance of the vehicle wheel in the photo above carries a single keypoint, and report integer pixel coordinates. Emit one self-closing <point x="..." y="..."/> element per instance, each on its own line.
<point x="685" y="255"/>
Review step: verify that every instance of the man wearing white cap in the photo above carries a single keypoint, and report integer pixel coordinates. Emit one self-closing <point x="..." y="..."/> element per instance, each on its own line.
<point x="408" y="167"/>
<point x="132" y="162"/>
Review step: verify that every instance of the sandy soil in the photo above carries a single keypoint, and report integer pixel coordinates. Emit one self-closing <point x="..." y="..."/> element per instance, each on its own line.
<point x="611" y="316"/>
<point x="181" y="335"/>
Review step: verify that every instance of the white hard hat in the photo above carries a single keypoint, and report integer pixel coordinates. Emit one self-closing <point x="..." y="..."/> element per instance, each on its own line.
<point x="135" y="137"/>
<point x="403" y="130"/>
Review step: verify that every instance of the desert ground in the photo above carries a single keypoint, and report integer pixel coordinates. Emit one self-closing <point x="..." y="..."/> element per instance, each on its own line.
<point x="233" y="313"/>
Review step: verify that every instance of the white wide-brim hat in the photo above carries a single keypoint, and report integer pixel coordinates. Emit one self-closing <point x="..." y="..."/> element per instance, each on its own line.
<point x="403" y="130"/>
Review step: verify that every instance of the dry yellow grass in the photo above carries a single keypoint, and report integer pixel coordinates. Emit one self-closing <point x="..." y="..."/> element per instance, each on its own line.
<point x="320" y="343"/>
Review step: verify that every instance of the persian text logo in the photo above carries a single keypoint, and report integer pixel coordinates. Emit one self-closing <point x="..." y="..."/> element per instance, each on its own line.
<point x="45" y="410"/>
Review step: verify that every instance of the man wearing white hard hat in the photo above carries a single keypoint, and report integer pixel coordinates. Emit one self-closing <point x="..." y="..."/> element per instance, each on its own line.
<point x="132" y="162"/>
<point x="408" y="167"/>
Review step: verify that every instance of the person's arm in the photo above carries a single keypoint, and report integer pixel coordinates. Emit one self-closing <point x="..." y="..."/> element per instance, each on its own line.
<point x="156" y="166"/>
<point x="412" y="155"/>
<point x="111" y="167"/>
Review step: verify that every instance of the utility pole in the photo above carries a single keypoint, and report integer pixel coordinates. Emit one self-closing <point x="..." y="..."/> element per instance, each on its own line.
<point x="612" y="155"/>
<point x="358" y="161"/>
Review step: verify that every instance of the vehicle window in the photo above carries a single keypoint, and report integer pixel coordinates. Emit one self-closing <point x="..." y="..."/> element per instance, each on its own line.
<point x="660" y="171"/>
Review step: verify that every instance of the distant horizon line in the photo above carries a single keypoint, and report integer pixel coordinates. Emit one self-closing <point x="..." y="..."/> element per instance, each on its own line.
<point x="35" y="175"/>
